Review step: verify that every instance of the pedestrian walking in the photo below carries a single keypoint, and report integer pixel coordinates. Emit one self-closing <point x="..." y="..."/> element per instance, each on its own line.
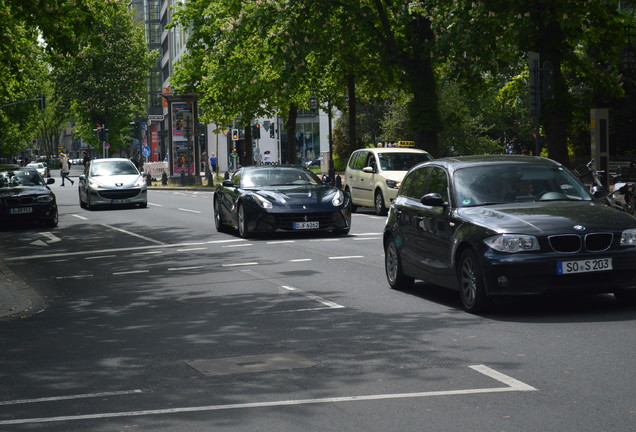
<point x="234" y="160"/>
<point x="213" y="162"/>
<point x="85" y="158"/>
<point x="66" y="169"/>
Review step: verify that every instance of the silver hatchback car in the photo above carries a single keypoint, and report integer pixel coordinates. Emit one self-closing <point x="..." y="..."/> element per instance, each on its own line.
<point x="112" y="182"/>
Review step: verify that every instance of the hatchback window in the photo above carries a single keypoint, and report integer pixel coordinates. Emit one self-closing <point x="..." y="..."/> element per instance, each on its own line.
<point x="483" y="185"/>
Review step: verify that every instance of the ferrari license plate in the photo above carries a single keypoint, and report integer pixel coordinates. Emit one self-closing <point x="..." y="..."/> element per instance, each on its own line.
<point x="306" y="225"/>
<point x="584" y="266"/>
<point x="21" y="210"/>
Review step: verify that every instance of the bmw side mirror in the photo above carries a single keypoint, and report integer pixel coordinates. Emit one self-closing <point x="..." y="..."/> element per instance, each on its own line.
<point x="227" y="183"/>
<point x="433" y="200"/>
<point x="50" y="180"/>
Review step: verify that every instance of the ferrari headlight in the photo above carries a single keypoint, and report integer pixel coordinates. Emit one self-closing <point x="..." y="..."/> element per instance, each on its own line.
<point x="512" y="243"/>
<point x="338" y="198"/>
<point x="392" y="184"/>
<point x="628" y="237"/>
<point x="262" y="202"/>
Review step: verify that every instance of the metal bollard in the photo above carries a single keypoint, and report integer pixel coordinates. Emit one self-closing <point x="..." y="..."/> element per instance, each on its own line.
<point x="182" y="179"/>
<point x="164" y="179"/>
<point x="148" y="180"/>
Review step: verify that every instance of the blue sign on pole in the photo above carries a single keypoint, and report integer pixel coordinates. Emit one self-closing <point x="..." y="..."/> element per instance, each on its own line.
<point x="145" y="151"/>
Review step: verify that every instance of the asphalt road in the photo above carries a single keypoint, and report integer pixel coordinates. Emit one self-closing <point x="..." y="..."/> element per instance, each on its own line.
<point x="155" y="322"/>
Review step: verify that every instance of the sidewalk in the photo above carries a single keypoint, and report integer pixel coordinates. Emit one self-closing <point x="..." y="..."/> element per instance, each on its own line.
<point x="17" y="299"/>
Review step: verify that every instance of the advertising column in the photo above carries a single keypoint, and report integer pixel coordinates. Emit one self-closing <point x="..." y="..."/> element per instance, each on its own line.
<point x="183" y="160"/>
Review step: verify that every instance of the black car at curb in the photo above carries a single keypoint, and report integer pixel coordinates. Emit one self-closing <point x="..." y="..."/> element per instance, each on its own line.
<point x="26" y="197"/>
<point x="280" y="198"/>
<point x="495" y="226"/>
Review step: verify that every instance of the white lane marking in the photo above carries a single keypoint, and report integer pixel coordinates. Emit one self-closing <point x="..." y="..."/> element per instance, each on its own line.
<point x="79" y="217"/>
<point x="148" y="253"/>
<point x="240" y="245"/>
<point x="512" y="385"/>
<point x="189" y="211"/>
<point x="328" y="303"/>
<point x="156" y="205"/>
<point x="280" y="242"/>
<point x="130" y="272"/>
<point x="184" y="268"/>
<point x="299" y="260"/>
<point x="191" y="249"/>
<point x="52" y="238"/>
<point x="133" y="234"/>
<point x="325" y="240"/>
<point x="508" y="380"/>
<point x="239" y="264"/>
<point x="346" y="257"/>
<point x="367" y="238"/>
<point x="365" y="234"/>
<point x="75" y="276"/>
<point x="99" y="257"/>
<point x="68" y="397"/>
<point x="163" y="245"/>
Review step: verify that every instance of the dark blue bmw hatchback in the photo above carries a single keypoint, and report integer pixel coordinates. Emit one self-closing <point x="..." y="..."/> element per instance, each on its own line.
<point x="25" y="196"/>
<point x="491" y="226"/>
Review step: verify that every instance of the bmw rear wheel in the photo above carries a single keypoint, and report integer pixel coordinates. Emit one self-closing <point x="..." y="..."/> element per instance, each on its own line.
<point x="393" y="267"/>
<point x="471" y="283"/>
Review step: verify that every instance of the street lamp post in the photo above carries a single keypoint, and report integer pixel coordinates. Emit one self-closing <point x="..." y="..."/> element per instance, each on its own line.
<point x="313" y="105"/>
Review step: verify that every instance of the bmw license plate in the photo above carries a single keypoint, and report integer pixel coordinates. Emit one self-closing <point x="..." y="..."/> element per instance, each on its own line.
<point x="306" y="225"/>
<point x="584" y="266"/>
<point x="21" y="210"/>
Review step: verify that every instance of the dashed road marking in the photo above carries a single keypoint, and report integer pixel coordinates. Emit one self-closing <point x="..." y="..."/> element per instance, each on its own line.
<point x="511" y="385"/>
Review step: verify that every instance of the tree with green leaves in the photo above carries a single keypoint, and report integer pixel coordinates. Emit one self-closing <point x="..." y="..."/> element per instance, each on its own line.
<point x="105" y="83"/>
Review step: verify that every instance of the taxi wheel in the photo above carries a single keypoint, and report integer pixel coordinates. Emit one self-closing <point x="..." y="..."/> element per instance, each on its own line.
<point x="380" y="209"/>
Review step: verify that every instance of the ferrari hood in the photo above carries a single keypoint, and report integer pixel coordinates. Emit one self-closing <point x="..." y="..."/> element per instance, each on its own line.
<point x="302" y="194"/>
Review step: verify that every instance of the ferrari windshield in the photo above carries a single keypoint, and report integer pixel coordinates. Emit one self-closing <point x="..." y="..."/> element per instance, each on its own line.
<point x="278" y="177"/>
<point x="485" y="184"/>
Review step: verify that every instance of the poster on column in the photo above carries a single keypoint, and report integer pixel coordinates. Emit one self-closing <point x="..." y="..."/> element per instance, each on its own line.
<point x="183" y="161"/>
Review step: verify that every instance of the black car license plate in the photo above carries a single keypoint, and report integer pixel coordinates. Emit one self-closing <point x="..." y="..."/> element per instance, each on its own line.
<point x="306" y="225"/>
<point x="21" y="210"/>
<point x="584" y="266"/>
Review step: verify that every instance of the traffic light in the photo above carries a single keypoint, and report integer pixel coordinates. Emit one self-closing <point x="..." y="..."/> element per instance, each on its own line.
<point x="256" y="131"/>
<point x="235" y="135"/>
<point x="42" y="102"/>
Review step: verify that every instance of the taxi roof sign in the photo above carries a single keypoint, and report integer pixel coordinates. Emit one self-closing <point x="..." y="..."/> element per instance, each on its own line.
<point x="406" y="144"/>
